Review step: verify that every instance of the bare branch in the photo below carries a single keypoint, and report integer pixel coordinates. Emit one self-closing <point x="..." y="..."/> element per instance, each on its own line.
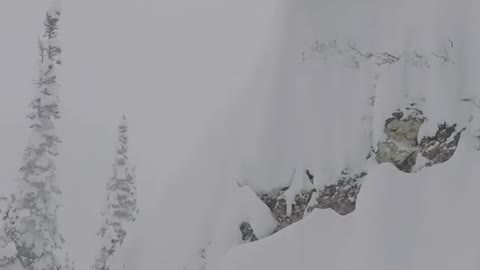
<point x="354" y="48"/>
<point x="386" y="58"/>
<point x="445" y="57"/>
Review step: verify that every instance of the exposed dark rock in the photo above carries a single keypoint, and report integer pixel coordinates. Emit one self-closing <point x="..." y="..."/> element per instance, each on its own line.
<point x="310" y="176"/>
<point x="401" y="148"/>
<point x="277" y="202"/>
<point x="442" y="146"/>
<point x="398" y="114"/>
<point x="270" y="199"/>
<point x="340" y="197"/>
<point x="299" y="206"/>
<point x="248" y="235"/>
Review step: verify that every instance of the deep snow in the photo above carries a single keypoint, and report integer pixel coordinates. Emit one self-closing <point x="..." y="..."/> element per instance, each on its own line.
<point x="311" y="107"/>
<point x="423" y="220"/>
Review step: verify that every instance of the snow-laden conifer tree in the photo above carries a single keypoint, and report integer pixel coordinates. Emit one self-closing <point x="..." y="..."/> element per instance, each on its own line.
<point x="8" y="251"/>
<point x="121" y="206"/>
<point x="32" y="223"/>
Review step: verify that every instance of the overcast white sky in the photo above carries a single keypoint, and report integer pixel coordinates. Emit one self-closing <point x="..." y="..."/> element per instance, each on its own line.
<point x="171" y="66"/>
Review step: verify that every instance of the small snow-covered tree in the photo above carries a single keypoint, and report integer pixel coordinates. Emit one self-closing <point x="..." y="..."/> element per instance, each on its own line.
<point x="8" y="251"/>
<point x="121" y="206"/>
<point x="32" y="221"/>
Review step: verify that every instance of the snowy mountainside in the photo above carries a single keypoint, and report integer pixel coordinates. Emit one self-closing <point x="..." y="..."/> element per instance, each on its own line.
<point x="411" y="103"/>
<point x="356" y="149"/>
<point x="403" y="221"/>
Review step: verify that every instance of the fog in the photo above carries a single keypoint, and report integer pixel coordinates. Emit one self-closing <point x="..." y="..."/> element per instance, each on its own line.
<point x="170" y="66"/>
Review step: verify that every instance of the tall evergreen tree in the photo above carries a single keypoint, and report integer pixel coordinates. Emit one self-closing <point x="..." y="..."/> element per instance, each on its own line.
<point x="121" y="205"/>
<point x="32" y="223"/>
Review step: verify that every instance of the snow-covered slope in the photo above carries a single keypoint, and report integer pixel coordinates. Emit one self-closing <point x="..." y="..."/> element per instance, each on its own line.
<point x="425" y="220"/>
<point x="376" y="103"/>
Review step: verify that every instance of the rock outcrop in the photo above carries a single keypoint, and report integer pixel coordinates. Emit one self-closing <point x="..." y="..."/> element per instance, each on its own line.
<point x="248" y="235"/>
<point x="442" y="146"/>
<point x="402" y="147"/>
<point x="289" y="204"/>
<point x="297" y="211"/>
<point x="340" y="197"/>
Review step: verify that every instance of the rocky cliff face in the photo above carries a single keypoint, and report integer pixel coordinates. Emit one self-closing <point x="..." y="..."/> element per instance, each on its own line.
<point x="402" y="148"/>
<point x="401" y="144"/>
<point x="278" y="205"/>
<point x="442" y="146"/>
<point x="340" y="197"/>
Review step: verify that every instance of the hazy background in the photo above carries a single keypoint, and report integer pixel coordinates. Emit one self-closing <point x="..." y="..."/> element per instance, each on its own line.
<point x="170" y="66"/>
